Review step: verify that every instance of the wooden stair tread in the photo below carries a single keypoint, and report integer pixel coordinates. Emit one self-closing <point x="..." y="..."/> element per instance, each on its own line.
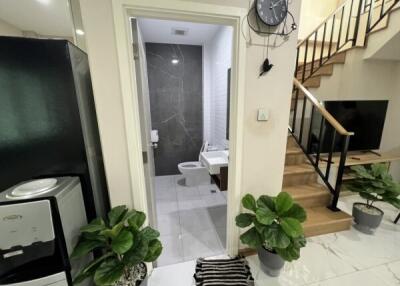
<point x="321" y="220"/>
<point x="305" y="191"/>
<point x="323" y="215"/>
<point x="293" y="151"/>
<point x="298" y="169"/>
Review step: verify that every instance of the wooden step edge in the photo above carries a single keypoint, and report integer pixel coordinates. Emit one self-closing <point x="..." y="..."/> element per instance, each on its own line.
<point x="298" y="169"/>
<point x="294" y="151"/>
<point x="316" y="190"/>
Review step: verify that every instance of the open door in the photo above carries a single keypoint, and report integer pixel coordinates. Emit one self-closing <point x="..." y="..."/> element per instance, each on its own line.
<point x="145" y="118"/>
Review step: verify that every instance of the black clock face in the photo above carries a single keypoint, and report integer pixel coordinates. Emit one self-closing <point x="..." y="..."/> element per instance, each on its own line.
<point x="271" y="12"/>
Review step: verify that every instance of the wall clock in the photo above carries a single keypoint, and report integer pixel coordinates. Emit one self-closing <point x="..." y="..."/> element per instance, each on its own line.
<point x="272" y="12"/>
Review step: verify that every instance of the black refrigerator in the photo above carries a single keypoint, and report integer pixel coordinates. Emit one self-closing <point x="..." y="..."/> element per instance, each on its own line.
<point x="48" y="123"/>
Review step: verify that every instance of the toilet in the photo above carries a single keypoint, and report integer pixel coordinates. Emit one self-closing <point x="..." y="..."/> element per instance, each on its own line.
<point x="194" y="172"/>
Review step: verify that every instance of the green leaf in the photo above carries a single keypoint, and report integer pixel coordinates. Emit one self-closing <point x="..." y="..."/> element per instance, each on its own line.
<point x="252" y="238"/>
<point x="266" y="202"/>
<point x="123" y="242"/>
<point x="265" y="216"/>
<point x="283" y="203"/>
<point x="297" y="212"/>
<point x="137" y="220"/>
<point x="95" y="225"/>
<point x="149" y="234"/>
<point x="299" y="242"/>
<point x="259" y="227"/>
<point x="113" y="233"/>
<point x="90" y="269"/>
<point x="276" y="237"/>
<point x="85" y="246"/>
<point x="249" y="202"/>
<point x="154" y="251"/>
<point x="289" y="254"/>
<point x="116" y="214"/>
<point x="137" y="253"/>
<point x="292" y="227"/>
<point x="244" y="220"/>
<point x="109" y="272"/>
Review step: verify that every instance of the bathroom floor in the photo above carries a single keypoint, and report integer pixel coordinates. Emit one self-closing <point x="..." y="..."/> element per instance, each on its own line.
<point x="346" y="258"/>
<point x="191" y="220"/>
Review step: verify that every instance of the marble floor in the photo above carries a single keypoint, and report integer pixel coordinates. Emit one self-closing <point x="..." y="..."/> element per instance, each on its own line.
<point x="191" y="220"/>
<point x="347" y="258"/>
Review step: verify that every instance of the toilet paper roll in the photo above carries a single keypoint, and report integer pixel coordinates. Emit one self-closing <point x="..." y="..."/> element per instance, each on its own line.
<point x="154" y="136"/>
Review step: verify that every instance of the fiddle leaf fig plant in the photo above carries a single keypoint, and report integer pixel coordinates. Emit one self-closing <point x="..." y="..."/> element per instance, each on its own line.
<point x="275" y="224"/>
<point x="374" y="184"/>
<point x="123" y="242"/>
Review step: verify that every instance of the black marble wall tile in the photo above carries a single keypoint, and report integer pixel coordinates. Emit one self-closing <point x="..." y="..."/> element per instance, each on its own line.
<point x="176" y="99"/>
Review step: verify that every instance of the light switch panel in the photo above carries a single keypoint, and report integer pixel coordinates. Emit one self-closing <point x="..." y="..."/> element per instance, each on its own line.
<point x="262" y="115"/>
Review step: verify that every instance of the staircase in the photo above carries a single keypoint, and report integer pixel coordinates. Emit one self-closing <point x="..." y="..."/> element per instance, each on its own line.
<point x="308" y="169"/>
<point x="300" y="180"/>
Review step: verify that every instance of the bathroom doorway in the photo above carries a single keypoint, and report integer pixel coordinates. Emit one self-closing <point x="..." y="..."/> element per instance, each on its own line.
<point x="184" y="73"/>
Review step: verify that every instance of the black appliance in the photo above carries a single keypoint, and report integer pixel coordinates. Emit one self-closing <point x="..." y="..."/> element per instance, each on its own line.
<point x="48" y="123"/>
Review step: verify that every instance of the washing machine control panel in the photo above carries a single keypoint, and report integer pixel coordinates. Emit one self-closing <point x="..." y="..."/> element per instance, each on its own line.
<point x="22" y="224"/>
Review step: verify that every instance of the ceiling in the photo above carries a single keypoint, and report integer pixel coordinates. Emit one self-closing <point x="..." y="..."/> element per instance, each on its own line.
<point x="45" y="17"/>
<point x="160" y="31"/>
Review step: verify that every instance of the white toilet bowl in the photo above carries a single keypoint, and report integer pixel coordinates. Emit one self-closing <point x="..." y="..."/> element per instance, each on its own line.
<point x="194" y="173"/>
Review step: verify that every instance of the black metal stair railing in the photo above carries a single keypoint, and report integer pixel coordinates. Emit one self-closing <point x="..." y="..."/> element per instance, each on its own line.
<point x="314" y="128"/>
<point x="319" y="135"/>
<point x="377" y="10"/>
<point x="338" y="32"/>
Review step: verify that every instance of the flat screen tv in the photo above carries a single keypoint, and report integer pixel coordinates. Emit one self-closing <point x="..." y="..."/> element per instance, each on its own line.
<point x="366" y="118"/>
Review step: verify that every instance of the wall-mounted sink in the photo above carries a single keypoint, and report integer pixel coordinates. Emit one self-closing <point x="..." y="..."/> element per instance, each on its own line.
<point x="214" y="160"/>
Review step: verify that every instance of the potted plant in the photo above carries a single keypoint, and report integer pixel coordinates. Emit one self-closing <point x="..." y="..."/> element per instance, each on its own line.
<point x="374" y="184"/>
<point x="125" y="246"/>
<point x="276" y="230"/>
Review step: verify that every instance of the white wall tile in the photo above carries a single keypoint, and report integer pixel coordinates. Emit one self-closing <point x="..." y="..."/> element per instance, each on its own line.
<point x="217" y="61"/>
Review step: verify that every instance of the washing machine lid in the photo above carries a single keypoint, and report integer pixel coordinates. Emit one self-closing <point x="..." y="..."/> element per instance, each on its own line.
<point x="33" y="189"/>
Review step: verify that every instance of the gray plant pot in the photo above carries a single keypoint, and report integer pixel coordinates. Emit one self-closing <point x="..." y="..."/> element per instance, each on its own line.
<point x="271" y="263"/>
<point x="366" y="222"/>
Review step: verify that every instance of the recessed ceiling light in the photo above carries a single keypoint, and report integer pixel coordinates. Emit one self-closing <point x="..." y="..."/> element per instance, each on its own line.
<point x="175" y="61"/>
<point x="79" y="32"/>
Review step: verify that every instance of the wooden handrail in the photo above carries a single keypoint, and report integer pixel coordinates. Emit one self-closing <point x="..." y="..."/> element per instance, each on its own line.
<point x="322" y="23"/>
<point x="328" y="117"/>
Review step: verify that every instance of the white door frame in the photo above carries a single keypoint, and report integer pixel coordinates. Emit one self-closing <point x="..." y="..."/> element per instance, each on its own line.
<point x="123" y="10"/>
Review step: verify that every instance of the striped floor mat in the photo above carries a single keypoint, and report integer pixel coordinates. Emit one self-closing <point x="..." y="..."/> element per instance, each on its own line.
<point x="223" y="272"/>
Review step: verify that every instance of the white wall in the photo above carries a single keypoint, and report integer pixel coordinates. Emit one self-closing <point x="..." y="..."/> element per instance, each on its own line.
<point x="217" y="60"/>
<point x="101" y="47"/>
<point x="313" y="12"/>
<point x="360" y="79"/>
<point x="264" y="142"/>
<point x="6" y="29"/>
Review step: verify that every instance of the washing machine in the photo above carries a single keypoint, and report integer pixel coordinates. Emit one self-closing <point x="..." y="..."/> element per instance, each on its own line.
<point x="39" y="227"/>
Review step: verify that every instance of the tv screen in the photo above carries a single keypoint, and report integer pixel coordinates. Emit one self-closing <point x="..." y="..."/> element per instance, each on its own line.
<point x="366" y="118"/>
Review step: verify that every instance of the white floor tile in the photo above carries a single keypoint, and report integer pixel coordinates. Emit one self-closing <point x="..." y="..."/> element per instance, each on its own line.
<point x="218" y="215"/>
<point x="205" y="190"/>
<point x="172" y="250"/>
<point x="169" y="224"/>
<point x="167" y="193"/>
<point x="187" y="193"/>
<point x="364" y="278"/>
<point x="165" y="207"/>
<point x="180" y="274"/>
<point x="390" y="273"/>
<point x="191" y="204"/>
<point x="164" y="181"/>
<point x="216" y="199"/>
<point x="195" y="220"/>
<point x="201" y="244"/>
<point x="221" y="233"/>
